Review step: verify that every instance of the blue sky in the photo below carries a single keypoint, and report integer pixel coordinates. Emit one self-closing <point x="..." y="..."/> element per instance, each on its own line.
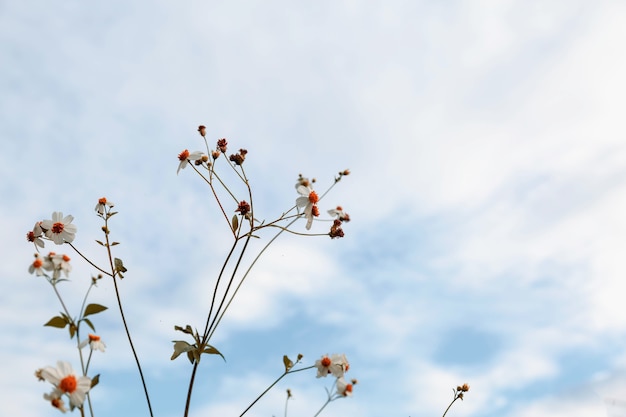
<point x="487" y="196"/>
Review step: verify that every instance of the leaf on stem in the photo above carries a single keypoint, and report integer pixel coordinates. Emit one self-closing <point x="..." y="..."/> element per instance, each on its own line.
<point x="119" y="267"/>
<point x="180" y="346"/>
<point x="95" y="380"/>
<point x="57" y="321"/>
<point x="187" y="329"/>
<point x="93" y="309"/>
<point x="89" y="323"/>
<point x="235" y="223"/>
<point x="288" y="363"/>
<point x="211" y="350"/>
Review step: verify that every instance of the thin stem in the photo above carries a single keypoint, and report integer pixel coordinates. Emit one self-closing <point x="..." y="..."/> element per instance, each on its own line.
<point x="263" y="393"/>
<point x="450" y="405"/>
<point x="88" y="261"/>
<point x="119" y="303"/>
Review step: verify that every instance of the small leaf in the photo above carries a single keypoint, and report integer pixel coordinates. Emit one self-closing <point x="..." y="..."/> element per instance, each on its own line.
<point x="93" y="309"/>
<point x="95" y="380"/>
<point x="90" y="324"/>
<point x="119" y="265"/>
<point x="235" y="223"/>
<point x="180" y="346"/>
<point x="190" y="357"/>
<point x="187" y="329"/>
<point x="57" y="321"/>
<point x="211" y="350"/>
<point x="72" y="330"/>
<point x="288" y="363"/>
<point x="101" y="244"/>
<point x="115" y="243"/>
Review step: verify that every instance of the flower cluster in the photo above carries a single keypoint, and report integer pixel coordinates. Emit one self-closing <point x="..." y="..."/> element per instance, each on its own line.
<point x="59" y="230"/>
<point x="55" y="263"/>
<point x="65" y="382"/>
<point x="336" y="365"/>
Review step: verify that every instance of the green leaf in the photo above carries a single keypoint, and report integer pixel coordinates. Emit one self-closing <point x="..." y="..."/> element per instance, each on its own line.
<point x="211" y="350"/>
<point x="101" y="244"/>
<point x="288" y="363"/>
<point x="90" y="324"/>
<point x="235" y="223"/>
<point x="93" y="309"/>
<point x="95" y="380"/>
<point x="58" y="322"/>
<point x="191" y="357"/>
<point x="115" y="243"/>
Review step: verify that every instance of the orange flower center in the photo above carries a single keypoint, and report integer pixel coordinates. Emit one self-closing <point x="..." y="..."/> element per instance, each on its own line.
<point x="94" y="338"/>
<point x="37" y="263"/>
<point x="68" y="384"/>
<point x="57" y="228"/>
<point x="326" y="361"/>
<point x="313" y="198"/>
<point x="102" y="200"/>
<point x="348" y="389"/>
<point x="66" y="258"/>
<point x="183" y="155"/>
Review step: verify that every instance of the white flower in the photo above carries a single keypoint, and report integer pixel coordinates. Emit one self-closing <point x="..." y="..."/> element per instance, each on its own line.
<point x="61" y="264"/>
<point x="94" y="343"/>
<point x="344" y="388"/>
<point x="55" y="400"/>
<point x="184" y="157"/>
<point x="340" y="364"/>
<point x="336" y="365"/>
<point x="59" y="229"/>
<point x="308" y="199"/>
<point x="35" y="236"/>
<point x="39" y="265"/>
<point x="102" y="205"/>
<point x="66" y="382"/>
<point x="339" y="213"/>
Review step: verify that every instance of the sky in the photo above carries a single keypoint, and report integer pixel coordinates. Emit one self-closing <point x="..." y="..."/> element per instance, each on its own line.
<point x="487" y="194"/>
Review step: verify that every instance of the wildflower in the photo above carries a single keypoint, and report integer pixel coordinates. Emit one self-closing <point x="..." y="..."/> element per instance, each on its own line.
<point x="323" y="366"/>
<point x="308" y="199"/>
<point x="340" y="214"/>
<point x="222" y="144"/>
<point x="39" y="265"/>
<point x="344" y="388"/>
<point x="94" y="343"/>
<point x="184" y="157"/>
<point x="243" y="208"/>
<point x="202" y="130"/>
<point x="102" y="205"/>
<point x="61" y="263"/>
<point x="336" y="230"/>
<point x="335" y="364"/>
<point x="340" y="364"/>
<point x="60" y="229"/>
<point x="66" y="382"/>
<point x="35" y="235"/>
<point x="239" y="157"/>
<point x="55" y="400"/>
